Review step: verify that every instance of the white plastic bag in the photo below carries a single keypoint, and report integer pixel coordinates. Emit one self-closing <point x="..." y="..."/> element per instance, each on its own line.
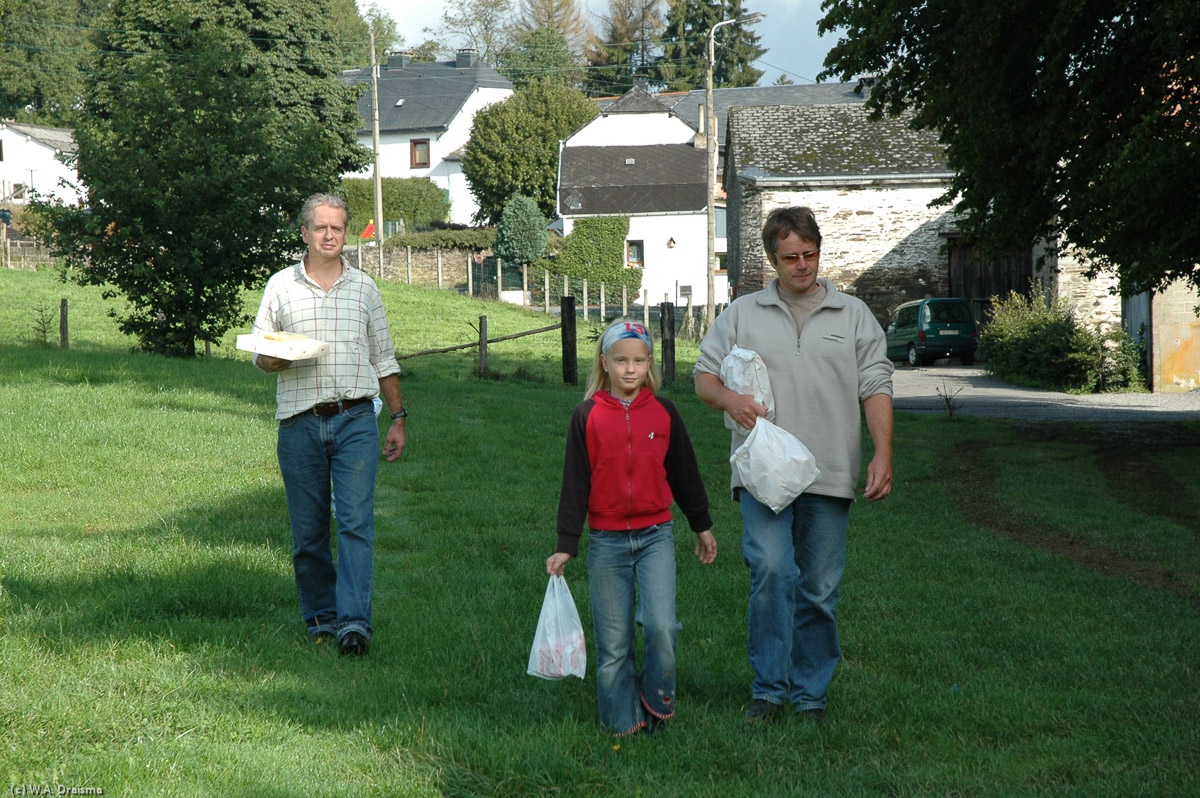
<point x="774" y="465"/>
<point x="558" y="647"/>
<point x="743" y="371"/>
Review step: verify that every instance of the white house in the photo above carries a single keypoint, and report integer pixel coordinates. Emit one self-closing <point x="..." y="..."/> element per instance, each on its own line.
<point x="425" y="116"/>
<point x="639" y="159"/>
<point x="29" y="159"/>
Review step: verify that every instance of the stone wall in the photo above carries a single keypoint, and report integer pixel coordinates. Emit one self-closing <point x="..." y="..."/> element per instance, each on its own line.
<point x="1095" y="300"/>
<point x="436" y="268"/>
<point x="879" y="244"/>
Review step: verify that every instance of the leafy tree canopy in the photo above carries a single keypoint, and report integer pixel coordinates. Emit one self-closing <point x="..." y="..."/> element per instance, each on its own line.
<point x="521" y="236"/>
<point x="44" y="57"/>
<point x="683" y="63"/>
<point x="541" y="54"/>
<point x="1070" y="121"/>
<point x="628" y="35"/>
<point x="513" y="147"/>
<point x="207" y="126"/>
<point x="415" y="200"/>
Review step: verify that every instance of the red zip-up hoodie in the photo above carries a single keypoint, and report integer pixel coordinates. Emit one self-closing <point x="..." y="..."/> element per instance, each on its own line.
<point x="624" y="467"/>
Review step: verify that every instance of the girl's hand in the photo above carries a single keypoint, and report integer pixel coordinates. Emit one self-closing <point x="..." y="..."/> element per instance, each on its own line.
<point x="706" y="546"/>
<point x="555" y="563"/>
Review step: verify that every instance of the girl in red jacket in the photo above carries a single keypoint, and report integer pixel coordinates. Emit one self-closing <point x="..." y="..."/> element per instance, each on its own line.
<point x="628" y="457"/>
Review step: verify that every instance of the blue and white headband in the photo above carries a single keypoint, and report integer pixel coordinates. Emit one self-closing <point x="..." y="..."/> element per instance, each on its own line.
<point x="622" y="330"/>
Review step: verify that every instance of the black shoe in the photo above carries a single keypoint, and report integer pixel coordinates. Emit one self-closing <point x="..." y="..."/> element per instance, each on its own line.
<point x="353" y="644"/>
<point x="761" y="711"/>
<point x="816" y="715"/>
<point x="655" y="725"/>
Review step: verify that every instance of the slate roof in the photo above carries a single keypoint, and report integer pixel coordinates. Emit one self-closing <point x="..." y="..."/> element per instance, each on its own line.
<point x="60" y="139"/>
<point x="433" y="93"/>
<point x="662" y="178"/>
<point x="635" y="101"/>
<point x="830" y="141"/>
<point x="687" y="104"/>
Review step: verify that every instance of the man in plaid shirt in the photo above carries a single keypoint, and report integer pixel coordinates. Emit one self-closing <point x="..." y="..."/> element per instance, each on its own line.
<point x="327" y="427"/>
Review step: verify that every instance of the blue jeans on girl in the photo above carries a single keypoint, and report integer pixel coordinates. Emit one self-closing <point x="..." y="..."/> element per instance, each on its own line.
<point x="796" y="560"/>
<point x="313" y="452"/>
<point x="617" y="561"/>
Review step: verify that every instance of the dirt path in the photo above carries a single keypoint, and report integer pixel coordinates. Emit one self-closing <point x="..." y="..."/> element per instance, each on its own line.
<point x="1121" y="450"/>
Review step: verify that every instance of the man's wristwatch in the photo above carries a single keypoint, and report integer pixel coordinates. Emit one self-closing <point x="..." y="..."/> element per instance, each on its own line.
<point x="403" y="412"/>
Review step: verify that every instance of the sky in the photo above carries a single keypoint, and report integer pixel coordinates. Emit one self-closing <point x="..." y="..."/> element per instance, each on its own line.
<point x="789" y="32"/>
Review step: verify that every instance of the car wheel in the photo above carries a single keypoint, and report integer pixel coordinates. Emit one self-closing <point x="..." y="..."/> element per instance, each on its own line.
<point x="967" y="360"/>
<point x="914" y="359"/>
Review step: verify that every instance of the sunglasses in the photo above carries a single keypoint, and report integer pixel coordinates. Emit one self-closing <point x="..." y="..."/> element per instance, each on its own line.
<point x="792" y="258"/>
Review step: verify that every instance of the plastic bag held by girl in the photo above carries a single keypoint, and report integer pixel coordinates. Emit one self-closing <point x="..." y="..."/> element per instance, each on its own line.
<point x="558" y="646"/>
<point x="743" y="371"/>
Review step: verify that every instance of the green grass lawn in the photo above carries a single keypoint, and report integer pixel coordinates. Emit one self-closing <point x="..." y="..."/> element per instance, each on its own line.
<point x="1015" y="619"/>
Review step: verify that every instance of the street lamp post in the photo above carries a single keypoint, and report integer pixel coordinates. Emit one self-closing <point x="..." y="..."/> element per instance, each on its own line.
<point x="710" y="129"/>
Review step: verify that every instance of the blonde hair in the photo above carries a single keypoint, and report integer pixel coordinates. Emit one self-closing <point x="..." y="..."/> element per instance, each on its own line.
<point x="598" y="379"/>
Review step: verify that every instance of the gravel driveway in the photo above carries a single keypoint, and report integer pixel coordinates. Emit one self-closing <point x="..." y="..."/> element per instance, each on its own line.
<point x="917" y="389"/>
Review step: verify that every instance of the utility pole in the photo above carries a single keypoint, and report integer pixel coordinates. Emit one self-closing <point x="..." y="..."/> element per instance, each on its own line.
<point x="375" y="144"/>
<point x="710" y="143"/>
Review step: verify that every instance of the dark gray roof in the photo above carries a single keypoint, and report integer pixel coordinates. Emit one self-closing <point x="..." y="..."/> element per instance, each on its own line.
<point x="835" y="141"/>
<point x="687" y="104"/>
<point x="433" y="93"/>
<point x="635" y="101"/>
<point x="659" y="178"/>
<point x="61" y="139"/>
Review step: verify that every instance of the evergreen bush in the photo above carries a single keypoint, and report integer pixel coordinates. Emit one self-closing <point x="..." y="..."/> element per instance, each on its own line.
<point x="1035" y="340"/>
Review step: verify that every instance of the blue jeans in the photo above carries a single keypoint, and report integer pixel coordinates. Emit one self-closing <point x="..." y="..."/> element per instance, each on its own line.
<point x="616" y="561"/>
<point x="796" y="560"/>
<point x="313" y="452"/>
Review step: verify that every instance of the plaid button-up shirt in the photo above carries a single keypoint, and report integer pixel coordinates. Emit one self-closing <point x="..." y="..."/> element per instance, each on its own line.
<point x="349" y="318"/>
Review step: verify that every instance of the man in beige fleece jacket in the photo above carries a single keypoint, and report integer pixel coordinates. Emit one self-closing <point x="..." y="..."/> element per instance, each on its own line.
<point x="826" y="356"/>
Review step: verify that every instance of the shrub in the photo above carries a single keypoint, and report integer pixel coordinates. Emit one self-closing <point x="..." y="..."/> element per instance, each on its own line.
<point x="1034" y="340"/>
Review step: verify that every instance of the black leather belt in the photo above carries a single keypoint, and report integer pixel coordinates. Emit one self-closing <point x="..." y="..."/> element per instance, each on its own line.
<point x="333" y="408"/>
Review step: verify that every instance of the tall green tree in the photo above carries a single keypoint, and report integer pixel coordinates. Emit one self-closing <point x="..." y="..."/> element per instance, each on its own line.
<point x="485" y="25"/>
<point x="541" y="54"/>
<point x="521" y="236"/>
<point x="44" y="56"/>
<point x="207" y="125"/>
<point x="513" y="147"/>
<point x="626" y="45"/>
<point x="353" y="27"/>
<point x="415" y="200"/>
<point x="684" y="60"/>
<point x="561" y="16"/>
<point x="1063" y="120"/>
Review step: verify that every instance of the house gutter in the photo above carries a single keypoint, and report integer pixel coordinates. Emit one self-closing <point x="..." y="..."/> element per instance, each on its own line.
<point x="761" y="179"/>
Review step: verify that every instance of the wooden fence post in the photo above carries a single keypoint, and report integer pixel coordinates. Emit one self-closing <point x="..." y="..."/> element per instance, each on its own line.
<point x="570" y="355"/>
<point x="499" y="279"/>
<point x="408" y="263"/>
<point x="624" y="301"/>
<point x="585" y="300"/>
<point x="545" y="291"/>
<point x="482" y="345"/>
<point x="646" y="309"/>
<point x="666" y="321"/>
<point x="64" y="339"/>
<point x="524" y="285"/>
<point x="438" y="254"/>
<point x="470" y="273"/>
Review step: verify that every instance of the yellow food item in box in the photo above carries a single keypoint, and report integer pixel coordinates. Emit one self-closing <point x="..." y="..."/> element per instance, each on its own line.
<point x="283" y="336"/>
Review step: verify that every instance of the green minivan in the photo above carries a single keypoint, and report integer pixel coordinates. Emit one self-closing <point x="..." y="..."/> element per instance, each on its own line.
<point x="927" y="329"/>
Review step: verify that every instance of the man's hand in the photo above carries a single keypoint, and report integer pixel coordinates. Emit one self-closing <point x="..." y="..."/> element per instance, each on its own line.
<point x="741" y="407"/>
<point x="879" y="478"/>
<point x="393" y="445"/>
<point x="272" y="364"/>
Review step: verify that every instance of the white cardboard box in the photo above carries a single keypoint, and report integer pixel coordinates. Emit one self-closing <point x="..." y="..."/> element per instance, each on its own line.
<point x="295" y="349"/>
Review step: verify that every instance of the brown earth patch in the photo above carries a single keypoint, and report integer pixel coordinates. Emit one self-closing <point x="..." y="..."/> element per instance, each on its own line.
<point x="1121" y="456"/>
